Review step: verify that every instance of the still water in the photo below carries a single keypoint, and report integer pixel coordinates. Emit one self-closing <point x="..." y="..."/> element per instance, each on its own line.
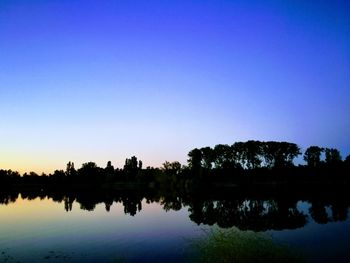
<point x="43" y="230"/>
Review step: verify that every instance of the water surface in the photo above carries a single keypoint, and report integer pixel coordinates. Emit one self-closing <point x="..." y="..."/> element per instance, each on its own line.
<point x="144" y="230"/>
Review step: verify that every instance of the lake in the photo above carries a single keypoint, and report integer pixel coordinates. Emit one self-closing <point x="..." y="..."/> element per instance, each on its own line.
<point x="131" y="228"/>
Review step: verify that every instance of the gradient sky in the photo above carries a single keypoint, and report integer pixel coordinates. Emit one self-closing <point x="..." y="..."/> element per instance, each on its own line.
<point x="104" y="80"/>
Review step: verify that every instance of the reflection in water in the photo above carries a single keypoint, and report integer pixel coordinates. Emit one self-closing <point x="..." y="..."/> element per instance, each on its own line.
<point x="157" y="227"/>
<point x="245" y="213"/>
<point x="257" y="215"/>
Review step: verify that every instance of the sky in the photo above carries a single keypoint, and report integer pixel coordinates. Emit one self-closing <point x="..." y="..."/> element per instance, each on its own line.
<point x="84" y="80"/>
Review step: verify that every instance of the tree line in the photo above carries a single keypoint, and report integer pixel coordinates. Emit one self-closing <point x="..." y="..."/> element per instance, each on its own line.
<point x="241" y="162"/>
<point x="256" y="154"/>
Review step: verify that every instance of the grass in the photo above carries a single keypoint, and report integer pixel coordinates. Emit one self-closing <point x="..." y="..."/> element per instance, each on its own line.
<point x="238" y="246"/>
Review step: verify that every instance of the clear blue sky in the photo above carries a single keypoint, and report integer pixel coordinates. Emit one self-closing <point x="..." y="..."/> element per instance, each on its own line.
<point x="103" y="80"/>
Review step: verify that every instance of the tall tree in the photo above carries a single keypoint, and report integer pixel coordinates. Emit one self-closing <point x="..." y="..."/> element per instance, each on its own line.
<point x="269" y="152"/>
<point x="223" y="156"/>
<point x="132" y="167"/>
<point x="90" y="172"/>
<point x="286" y="153"/>
<point x="131" y="164"/>
<point x="312" y="156"/>
<point x="252" y="152"/>
<point x="279" y="154"/>
<point x="109" y="170"/>
<point x="207" y="157"/>
<point x="332" y="156"/>
<point x="171" y="168"/>
<point x="238" y="153"/>
<point x="70" y="170"/>
<point x="195" y="159"/>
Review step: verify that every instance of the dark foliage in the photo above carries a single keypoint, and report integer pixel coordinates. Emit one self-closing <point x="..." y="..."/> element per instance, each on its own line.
<point x="248" y="163"/>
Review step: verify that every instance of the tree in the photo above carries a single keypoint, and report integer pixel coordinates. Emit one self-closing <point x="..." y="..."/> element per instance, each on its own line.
<point x="238" y="153"/>
<point x="223" y="156"/>
<point x="132" y="167"/>
<point x="269" y="150"/>
<point x="109" y="167"/>
<point x="109" y="170"/>
<point x="8" y="176"/>
<point x="247" y="154"/>
<point x="279" y="154"/>
<point x="59" y="176"/>
<point x="252" y="152"/>
<point x="312" y="156"/>
<point x="195" y="159"/>
<point x="293" y="151"/>
<point x="140" y="165"/>
<point x="332" y="156"/>
<point x="131" y="164"/>
<point x="70" y="170"/>
<point x="171" y="168"/>
<point x="286" y="154"/>
<point x="207" y="157"/>
<point x="90" y="172"/>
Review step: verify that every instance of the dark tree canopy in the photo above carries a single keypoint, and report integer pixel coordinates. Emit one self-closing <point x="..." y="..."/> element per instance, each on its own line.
<point x="242" y="163"/>
<point x="195" y="159"/>
<point x="332" y="156"/>
<point x="312" y="156"/>
<point x="171" y="168"/>
<point x="249" y="155"/>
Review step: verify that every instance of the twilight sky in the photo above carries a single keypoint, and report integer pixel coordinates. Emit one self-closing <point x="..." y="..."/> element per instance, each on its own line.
<point x="104" y="80"/>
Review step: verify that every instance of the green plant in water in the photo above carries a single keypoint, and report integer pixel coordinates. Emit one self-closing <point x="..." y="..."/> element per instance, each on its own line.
<point x="234" y="245"/>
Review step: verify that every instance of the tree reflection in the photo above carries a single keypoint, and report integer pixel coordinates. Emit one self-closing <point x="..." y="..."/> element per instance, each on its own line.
<point x="8" y="197"/>
<point x="68" y="203"/>
<point x="339" y="211"/>
<point x="318" y="213"/>
<point x="132" y="205"/>
<point x="257" y="213"/>
<point x="325" y="211"/>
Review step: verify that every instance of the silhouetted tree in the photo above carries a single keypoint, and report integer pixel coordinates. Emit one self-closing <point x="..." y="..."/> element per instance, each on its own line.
<point x="286" y="154"/>
<point x="332" y="156"/>
<point x="109" y="171"/>
<point x="59" y="176"/>
<point x="223" y="156"/>
<point x="131" y="164"/>
<point x="312" y="156"/>
<point x="140" y="165"/>
<point x="171" y="168"/>
<point x="131" y="167"/>
<point x="8" y="177"/>
<point x="269" y="150"/>
<point x="90" y="172"/>
<point x="251" y="153"/>
<point x="70" y="170"/>
<point x="109" y="168"/>
<point x="207" y="157"/>
<point x="279" y="154"/>
<point x="239" y="153"/>
<point x="195" y="159"/>
<point x="229" y="164"/>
